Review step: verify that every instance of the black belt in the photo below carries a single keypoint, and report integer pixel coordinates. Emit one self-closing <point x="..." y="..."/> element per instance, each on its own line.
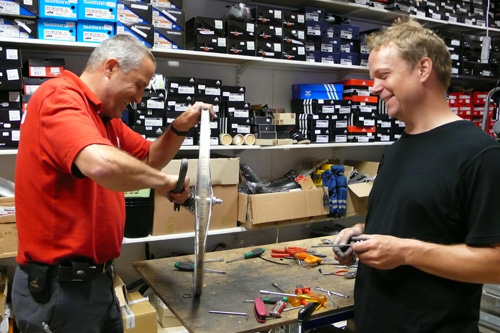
<point x="72" y="270"/>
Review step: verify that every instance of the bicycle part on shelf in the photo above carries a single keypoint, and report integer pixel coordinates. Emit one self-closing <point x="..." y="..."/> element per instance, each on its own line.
<point x="204" y="200"/>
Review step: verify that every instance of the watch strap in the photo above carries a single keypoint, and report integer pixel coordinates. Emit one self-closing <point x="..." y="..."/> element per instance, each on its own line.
<point x="177" y="132"/>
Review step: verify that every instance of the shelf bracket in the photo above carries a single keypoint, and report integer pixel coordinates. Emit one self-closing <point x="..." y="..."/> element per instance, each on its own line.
<point x="239" y="71"/>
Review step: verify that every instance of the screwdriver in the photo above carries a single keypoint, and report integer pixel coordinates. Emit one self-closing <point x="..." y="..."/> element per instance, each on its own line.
<point x="252" y="254"/>
<point x="269" y="300"/>
<point x="189" y="266"/>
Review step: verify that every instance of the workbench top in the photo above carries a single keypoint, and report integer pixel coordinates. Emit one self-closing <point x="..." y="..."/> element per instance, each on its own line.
<point x="243" y="281"/>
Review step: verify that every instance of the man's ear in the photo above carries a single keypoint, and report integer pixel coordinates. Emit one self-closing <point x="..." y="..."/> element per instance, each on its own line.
<point x="425" y="66"/>
<point x="110" y="66"/>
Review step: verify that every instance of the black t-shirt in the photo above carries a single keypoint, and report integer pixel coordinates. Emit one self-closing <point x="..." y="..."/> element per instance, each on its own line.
<point x="441" y="186"/>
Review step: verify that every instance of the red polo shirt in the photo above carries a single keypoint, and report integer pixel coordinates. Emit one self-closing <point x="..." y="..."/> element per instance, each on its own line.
<point x="60" y="213"/>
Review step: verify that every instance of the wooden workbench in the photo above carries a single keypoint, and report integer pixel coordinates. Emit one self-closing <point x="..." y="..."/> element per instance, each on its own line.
<point x="243" y="281"/>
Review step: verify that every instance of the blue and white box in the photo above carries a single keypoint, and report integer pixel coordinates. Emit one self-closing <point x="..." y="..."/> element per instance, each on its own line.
<point x="58" y="30"/>
<point x="94" y="31"/>
<point x="318" y="91"/>
<point x="23" y="8"/>
<point x="58" y="9"/>
<point x="97" y="10"/>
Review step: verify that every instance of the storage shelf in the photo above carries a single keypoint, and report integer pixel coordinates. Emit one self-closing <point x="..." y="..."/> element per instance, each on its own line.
<point x="372" y="14"/>
<point x="181" y="235"/>
<point x="197" y="56"/>
<point x="256" y="147"/>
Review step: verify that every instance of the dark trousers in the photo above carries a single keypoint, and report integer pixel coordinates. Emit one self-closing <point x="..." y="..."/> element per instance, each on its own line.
<point x="73" y="307"/>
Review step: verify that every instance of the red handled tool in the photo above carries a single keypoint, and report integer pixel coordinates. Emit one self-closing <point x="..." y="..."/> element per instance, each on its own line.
<point x="260" y="310"/>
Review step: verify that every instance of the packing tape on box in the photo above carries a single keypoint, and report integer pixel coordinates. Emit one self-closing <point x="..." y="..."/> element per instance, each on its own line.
<point x="249" y="139"/>
<point x="225" y="139"/>
<point x="238" y="140"/>
<point x="129" y="316"/>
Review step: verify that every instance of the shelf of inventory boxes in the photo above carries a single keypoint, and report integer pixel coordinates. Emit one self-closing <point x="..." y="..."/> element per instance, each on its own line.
<point x="257" y="147"/>
<point x="187" y="55"/>
<point x="369" y="13"/>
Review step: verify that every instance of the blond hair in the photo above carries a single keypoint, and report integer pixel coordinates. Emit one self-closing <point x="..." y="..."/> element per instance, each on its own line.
<point x="415" y="42"/>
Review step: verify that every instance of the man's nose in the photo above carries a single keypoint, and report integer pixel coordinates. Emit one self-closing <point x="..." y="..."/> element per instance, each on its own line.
<point x="377" y="87"/>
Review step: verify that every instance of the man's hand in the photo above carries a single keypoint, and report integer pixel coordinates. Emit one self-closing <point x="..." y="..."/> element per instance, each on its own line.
<point x="191" y="117"/>
<point x="345" y="254"/>
<point x="381" y="251"/>
<point x="168" y="190"/>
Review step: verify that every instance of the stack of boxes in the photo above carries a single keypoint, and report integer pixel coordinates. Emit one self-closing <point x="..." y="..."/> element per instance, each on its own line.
<point x="235" y="111"/>
<point x="470" y="106"/>
<point x="330" y="43"/>
<point x="342" y="112"/>
<point x="364" y="110"/>
<point x="148" y="117"/>
<point x="10" y="96"/>
<point x="160" y="23"/>
<point x="169" y="23"/>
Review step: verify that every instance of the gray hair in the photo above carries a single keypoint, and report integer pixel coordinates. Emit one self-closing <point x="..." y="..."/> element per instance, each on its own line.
<point x="128" y="50"/>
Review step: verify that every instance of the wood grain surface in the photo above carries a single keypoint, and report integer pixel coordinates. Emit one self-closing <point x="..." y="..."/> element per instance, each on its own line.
<point x="243" y="281"/>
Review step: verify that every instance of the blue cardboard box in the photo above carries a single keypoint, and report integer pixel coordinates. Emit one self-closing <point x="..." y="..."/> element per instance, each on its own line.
<point x="58" y="30"/>
<point x="317" y="91"/>
<point x="19" y="8"/>
<point x="58" y="9"/>
<point x="167" y="18"/>
<point x="97" y="10"/>
<point x="94" y="31"/>
<point x="169" y="39"/>
<point x="143" y="32"/>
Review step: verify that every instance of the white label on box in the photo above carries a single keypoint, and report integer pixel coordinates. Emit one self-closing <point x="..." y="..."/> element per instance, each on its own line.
<point x="10" y="8"/>
<point x="14" y="115"/>
<point x="186" y="90"/>
<point x="5" y="211"/>
<point x="241" y="114"/>
<point x="322" y="123"/>
<point x="55" y="70"/>
<point x="12" y="74"/>
<point x="9" y="31"/>
<point x="212" y="91"/>
<point x="12" y="54"/>
<point x="37" y="71"/>
<point x="62" y="12"/>
<point x="218" y="24"/>
<point x="52" y="34"/>
<point x="129" y="316"/>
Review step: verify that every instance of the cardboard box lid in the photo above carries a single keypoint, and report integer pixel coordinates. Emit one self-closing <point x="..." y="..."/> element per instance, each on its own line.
<point x="361" y="190"/>
<point x="120" y="290"/>
<point x="223" y="171"/>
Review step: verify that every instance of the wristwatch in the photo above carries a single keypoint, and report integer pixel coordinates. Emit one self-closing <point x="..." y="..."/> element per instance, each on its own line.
<point x="177" y="132"/>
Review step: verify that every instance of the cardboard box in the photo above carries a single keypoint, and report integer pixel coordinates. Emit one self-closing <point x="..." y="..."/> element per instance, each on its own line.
<point x="357" y="196"/>
<point x="138" y="315"/>
<point x="271" y="207"/>
<point x="166" y="221"/>
<point x="225" y="177"/>
<point x="8" y="229"/>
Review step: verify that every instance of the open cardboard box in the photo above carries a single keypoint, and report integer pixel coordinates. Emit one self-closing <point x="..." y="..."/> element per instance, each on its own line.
<point x="225" y="177"/>
<point x="357" y="197"/>
<point x="272" y="207"/>
<point x="138" y="314"/>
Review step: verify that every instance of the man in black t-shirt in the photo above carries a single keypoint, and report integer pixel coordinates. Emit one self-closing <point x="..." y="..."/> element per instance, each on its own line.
<point x="432" y="231"/>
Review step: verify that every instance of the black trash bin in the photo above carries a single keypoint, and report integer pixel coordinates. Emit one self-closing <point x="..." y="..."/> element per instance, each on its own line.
<point x="139" y="207"/>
